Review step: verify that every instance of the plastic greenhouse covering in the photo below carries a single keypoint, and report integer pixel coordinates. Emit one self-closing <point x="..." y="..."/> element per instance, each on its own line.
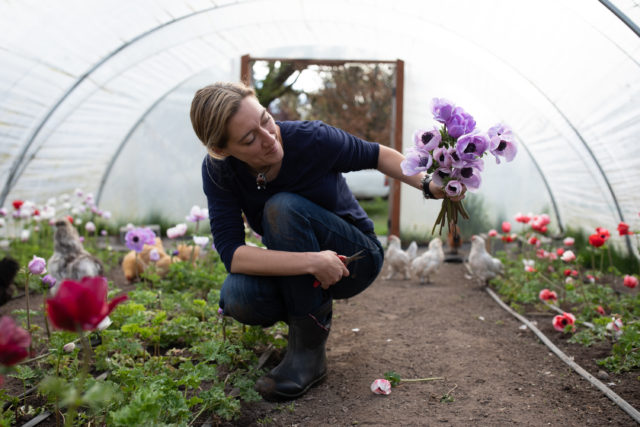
<point x="95" y="94"/>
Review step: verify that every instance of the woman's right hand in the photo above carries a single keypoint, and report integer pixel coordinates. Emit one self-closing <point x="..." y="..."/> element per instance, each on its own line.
<point x="328" y="268"/>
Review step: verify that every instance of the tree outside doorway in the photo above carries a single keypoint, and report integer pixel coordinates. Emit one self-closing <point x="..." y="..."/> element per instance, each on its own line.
<point x="358" y="97"/>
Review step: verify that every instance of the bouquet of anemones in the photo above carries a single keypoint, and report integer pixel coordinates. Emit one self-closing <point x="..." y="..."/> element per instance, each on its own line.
<point x="453" y="154"/>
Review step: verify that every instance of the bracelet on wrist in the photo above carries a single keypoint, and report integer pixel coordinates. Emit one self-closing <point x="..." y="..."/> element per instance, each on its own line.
<point x="426" y="192"/>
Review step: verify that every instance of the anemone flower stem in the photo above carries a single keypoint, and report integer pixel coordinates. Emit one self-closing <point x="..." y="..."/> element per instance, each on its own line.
<point x="26" y="293"/>
<point x="44" y="314"/>
<point x="601" y="260"/>
<point x="610" y="256"/>
<point x="57" y="404"/>
<point x="581" y="287"/>
<point x="412" y="380"/>
<point x="593" y="261"/>
<point x="193" y="249"/>
<point x="548" y="280"/>
<point x="86" y="350"/>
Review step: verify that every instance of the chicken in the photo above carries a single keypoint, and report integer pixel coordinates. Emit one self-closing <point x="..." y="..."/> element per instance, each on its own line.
<point x="8" y="269"/>
<point x="397" y="260"/>
<point x="70" y="260"/>
<point x="481" y="265"/>
<point x="427" y="264"/>
<point x="412" y="250"/>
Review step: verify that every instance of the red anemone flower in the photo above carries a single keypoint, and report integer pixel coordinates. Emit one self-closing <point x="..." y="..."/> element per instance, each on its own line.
<point x="604" y="233"/>
<point x="17" y="204"/>
<point x="623" y="229"/>
<point x="600" y="310"/>
<point x="546" y="295"/>
<point x="14" y="342"/>
<point x="630" y="281"/>
<point x="81" y="305"/>
<point x="560" y="321"/>
<point x="506" y="227"/>
<point x="596" y="240"/>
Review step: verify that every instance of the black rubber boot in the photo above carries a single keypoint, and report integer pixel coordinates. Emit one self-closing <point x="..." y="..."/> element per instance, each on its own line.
<point x="305" y="363"/>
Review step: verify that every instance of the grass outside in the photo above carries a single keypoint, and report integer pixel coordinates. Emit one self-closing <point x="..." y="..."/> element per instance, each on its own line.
<point x="378" y="210"/>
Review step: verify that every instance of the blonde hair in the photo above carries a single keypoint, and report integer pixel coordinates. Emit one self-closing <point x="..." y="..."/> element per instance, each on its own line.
<point x="211" y="109"/>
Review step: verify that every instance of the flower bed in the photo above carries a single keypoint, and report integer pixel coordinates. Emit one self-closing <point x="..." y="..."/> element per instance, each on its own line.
<point x="104" y="351"/>
<point x="591" y="300"/>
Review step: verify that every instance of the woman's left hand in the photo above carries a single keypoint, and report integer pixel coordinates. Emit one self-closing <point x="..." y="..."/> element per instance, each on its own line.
<point x="439" y="192"/>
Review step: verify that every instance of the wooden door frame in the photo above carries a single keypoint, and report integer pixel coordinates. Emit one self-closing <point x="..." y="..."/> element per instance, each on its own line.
<point x="396" y="122"/>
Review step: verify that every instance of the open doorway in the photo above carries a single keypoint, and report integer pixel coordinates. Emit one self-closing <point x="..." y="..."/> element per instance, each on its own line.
<point x="362" y="97"/>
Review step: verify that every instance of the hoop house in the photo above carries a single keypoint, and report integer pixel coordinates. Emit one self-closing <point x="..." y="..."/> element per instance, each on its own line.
<point x="95" y="94"/>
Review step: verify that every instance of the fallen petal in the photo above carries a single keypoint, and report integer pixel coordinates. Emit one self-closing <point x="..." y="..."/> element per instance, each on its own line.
<point x="381" y="386"/>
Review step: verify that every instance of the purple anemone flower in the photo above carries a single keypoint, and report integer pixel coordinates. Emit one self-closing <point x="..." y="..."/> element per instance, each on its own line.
<point x="502" y="143"/>
<point x="427" y="140"/>
<point x="415" y="162"/>
<point x="472" y="145"/>
<point x="460" y="123"/>
<point x="441" y="109"/>
<point x="37" y="266"/>
<point x="49" y="281"/>
<point x="154" y="255"/>
<point x="136" y="238"/>
<point x="469" y="176"/>
<point x="453" y="188"/>
<point x="441" y="175"/>
<point x="149" y="236"/>
<point x="442" y="156"/>
<point x="456" y="160"/>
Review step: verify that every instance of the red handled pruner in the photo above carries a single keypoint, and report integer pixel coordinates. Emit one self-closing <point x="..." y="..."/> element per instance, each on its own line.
<point x="346" y="260"/>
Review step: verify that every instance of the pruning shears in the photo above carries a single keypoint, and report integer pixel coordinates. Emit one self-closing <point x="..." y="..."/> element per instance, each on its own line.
<point x="346" y="260"/>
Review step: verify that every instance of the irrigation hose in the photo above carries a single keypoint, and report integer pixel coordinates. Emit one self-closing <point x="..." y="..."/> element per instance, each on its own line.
<point x="586" y="375"/>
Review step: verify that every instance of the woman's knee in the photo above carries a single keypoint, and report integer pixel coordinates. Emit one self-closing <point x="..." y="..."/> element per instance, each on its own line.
<point x="284" y="220"/>
<point x="240" y="301"/>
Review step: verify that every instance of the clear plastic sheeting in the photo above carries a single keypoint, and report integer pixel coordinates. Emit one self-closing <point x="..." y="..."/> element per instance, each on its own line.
<point x="96" y="94"/>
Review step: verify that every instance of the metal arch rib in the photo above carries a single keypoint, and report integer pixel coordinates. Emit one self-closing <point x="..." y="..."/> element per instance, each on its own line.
<point x="14" y="172"/>
<point x="621" y="15"/>
<point x="548" y="187"/>
<point x="125" y="140"/>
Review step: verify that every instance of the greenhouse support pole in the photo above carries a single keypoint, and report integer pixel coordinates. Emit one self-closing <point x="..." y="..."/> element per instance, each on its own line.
<point x="621" y="16"/>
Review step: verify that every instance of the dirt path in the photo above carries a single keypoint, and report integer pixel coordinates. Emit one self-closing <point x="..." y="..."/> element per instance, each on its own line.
<point x="495" y="373"/>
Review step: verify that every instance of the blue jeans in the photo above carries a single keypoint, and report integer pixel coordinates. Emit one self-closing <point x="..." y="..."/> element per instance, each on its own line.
<point x="293" y="223"/>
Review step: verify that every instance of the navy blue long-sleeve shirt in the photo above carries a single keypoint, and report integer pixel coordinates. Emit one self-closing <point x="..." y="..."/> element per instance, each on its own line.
<point x="315" y="155"/>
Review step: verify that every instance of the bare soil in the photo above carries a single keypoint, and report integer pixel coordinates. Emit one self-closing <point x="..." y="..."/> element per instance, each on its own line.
<point x="495" y="373"/>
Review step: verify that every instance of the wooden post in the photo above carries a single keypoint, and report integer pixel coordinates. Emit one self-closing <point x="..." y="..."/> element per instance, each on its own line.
<point x="394" y="196"/>
<point x="245" y="70"/>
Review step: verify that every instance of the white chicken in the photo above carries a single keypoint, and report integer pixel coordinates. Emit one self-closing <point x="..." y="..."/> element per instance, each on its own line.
<point x="397" y="260"/>
<point x="428" y="263"/>
<point x="483" y="266"/>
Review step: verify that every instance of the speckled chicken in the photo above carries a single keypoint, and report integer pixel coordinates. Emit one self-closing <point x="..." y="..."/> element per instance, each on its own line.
<point x="481" y="264"/>
<point x="429" y="262"/>
<point x="70" y="260"/>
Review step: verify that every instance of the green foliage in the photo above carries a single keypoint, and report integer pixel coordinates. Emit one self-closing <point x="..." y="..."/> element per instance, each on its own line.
<point x="378" y="211"/>
<point x="589" y="257"/>
<point x="578" y="295"/>
<point x="478" y="221"/>
<point x="625" y="354"/>
<point x="393" y="377"/>
<point x="277" y="83"/>
<point x="166" y="356"/>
